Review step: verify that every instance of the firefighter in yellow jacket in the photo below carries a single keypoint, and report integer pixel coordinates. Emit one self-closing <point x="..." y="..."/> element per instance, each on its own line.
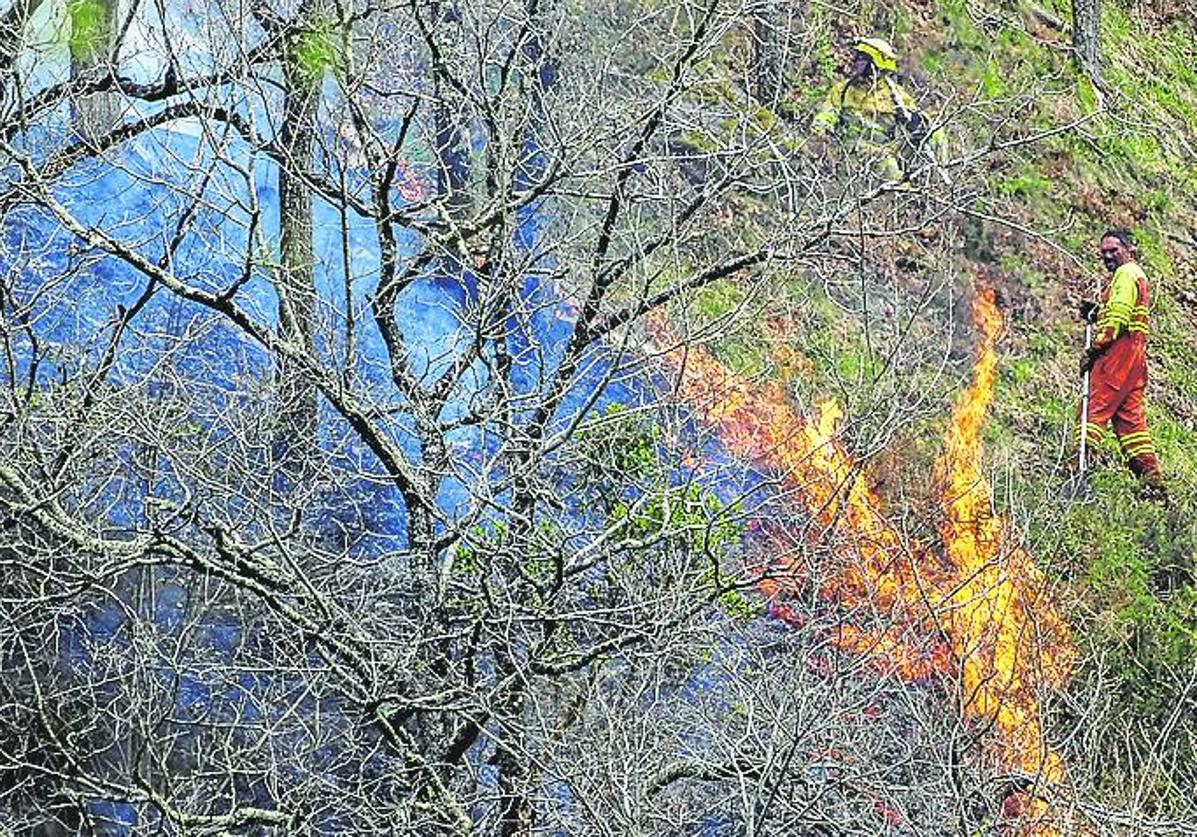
<point x="875" y="118"/>
<point x="1117" y="361"/>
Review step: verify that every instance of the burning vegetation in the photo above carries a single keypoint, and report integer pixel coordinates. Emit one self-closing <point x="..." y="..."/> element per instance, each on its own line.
<point x="974" y="611"/>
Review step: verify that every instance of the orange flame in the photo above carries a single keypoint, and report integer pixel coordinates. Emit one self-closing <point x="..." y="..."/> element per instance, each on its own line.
<point x="1010" y="642"/>
<point x="981" y="613"/>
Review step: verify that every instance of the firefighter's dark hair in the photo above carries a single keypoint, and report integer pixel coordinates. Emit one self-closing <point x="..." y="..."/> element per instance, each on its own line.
<point x="1125" y="236"/>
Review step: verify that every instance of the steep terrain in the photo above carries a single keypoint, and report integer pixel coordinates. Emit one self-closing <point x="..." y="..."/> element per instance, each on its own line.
<point x="1044" y="164"/>
<point x="512" y="418"/>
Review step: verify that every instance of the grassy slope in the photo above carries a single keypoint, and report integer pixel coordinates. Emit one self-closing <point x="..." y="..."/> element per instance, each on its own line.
<point x="1124" y="566"/>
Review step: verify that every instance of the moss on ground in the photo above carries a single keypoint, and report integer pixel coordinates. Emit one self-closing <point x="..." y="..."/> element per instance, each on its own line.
<point x="1126" y="566"/>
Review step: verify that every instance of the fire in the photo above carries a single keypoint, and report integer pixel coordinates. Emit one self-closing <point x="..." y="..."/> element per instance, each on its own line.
<point x="980" y="613"/>
<point x="1010" y="641"/>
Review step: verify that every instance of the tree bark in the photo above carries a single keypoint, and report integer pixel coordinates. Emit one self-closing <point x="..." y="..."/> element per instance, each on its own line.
<point x="540" y="71"/>
<point x="452" y="151"/>
<point x="93" y="28"/>
<point x="768" y="53"/>
<point x="1086" y="39"/>
<point x="516" y="812"/>
<point x="296" y="283"/>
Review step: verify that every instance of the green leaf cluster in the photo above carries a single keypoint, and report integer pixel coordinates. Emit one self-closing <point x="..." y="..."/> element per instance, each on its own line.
<point x="320" y="49"/>
<point x="89" y="28"/>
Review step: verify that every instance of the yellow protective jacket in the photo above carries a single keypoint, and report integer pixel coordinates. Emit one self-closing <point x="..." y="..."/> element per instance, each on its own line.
<point x="873" y="115"/>
<point x="870" y="111"/>
<point x="1126" y="305"/>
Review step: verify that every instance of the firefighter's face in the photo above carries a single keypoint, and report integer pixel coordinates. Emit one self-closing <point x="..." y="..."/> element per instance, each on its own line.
<point x="860" y="66"/>
<point x="1114" y="254"/>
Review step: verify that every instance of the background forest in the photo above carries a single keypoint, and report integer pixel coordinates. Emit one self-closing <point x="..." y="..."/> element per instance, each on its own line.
<point x="505" y="417"/>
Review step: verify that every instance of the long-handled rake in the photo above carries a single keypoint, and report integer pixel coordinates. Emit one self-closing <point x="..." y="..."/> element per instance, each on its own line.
<point x="1077" y="487"/>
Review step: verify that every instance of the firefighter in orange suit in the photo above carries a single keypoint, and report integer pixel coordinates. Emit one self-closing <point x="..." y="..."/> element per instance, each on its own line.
<point x="1117" y="360"/>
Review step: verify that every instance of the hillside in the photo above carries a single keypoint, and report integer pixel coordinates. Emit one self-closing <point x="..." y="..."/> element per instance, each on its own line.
<point x="589" y="417"/>
<point x="1046" y="164"/>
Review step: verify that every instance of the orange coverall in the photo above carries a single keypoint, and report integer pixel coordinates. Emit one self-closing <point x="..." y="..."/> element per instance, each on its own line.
<point x="1119" y="375"/>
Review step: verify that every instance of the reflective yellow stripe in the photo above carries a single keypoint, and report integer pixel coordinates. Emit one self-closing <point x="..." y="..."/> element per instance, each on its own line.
<point x="1137" y="436"/>
<point x="1134" y="443"/>
<point x="1133" y="449"/>
<point x="1121" y="300"/>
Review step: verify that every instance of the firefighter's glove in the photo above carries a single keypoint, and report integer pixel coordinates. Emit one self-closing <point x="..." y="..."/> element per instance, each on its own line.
<point x="1088" y="310"/>
<point x="1088" y="359"/>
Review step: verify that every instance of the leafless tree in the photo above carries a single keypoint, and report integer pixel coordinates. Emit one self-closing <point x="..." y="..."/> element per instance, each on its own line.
<point x="336" y="491"/>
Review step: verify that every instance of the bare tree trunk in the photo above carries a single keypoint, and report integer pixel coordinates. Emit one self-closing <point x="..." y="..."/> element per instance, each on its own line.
<point x="296" y="285"/>
<point x="454" y="168"/>
<point x="92" y="39"/>
<point x="452" y="152"/>
<point x="541" y="76"/>
<point x="768" y="53"/>
<point x="516" y="813"/>
<point x="1086" y="39"/>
